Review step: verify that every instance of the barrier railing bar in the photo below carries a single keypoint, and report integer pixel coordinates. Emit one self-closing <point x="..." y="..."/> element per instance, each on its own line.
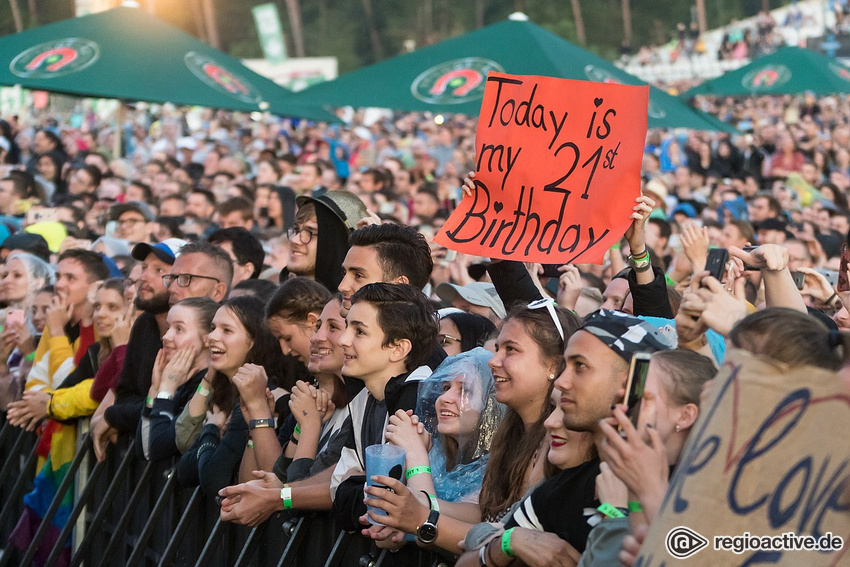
<point x="295" y="536"/>
<point x="16" y="448"/>
<point x="113" y="488"/>
<point x="82" y="502"/>
<point x="47" y="520"/>
<point x="212" y="542"/>
<point x="27" y="472"/>
<point x="251" y="545"/>
<point x="147" y="531"/>
<point x="121" y="527"/>
<point x="338" y="550"/>
<point x="185" y="521"/>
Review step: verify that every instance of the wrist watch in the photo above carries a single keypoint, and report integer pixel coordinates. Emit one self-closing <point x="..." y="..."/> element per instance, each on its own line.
<point x="163" y="395"/>
<point x="260" y="423"/>
<point x="427" y="532"/>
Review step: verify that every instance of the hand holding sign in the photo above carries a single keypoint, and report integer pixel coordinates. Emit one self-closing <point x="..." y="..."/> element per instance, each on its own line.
<point x="557" y="175"/>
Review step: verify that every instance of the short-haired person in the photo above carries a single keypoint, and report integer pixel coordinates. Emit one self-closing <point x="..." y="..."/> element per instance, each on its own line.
<point x="201" y="270"/>
<point x="200" y="203"/>
<point x="236" y="212"/>
<point x="133" y="219"/>
<point x="244" y="249"/>
<point x="389" y="253"/>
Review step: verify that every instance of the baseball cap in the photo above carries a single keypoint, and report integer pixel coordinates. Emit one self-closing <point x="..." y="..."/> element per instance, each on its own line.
<point x="477" y="293"/>
<point x="116" y="211"/>
<point x="625" y="334"/>
<point x="344" y="204"/>
<point x="167" y="250"/>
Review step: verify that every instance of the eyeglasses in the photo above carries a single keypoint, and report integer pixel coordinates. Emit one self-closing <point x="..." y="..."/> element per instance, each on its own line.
<point x="304" y="235"/>
<point x="445" y="339"/>
<point x="184" y="280"/>
<point x="549" y="304"/>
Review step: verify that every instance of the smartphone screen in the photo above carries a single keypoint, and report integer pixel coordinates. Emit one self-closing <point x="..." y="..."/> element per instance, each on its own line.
<point x="636" y="384"/>
<point x="551" y="270"/>
<point x="14" y="317"/>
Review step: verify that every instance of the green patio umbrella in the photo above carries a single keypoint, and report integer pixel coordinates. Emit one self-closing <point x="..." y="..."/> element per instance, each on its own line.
<point x="789" y="70"/>
<point x="130" y="55"/>
<point x="449" y="77"/>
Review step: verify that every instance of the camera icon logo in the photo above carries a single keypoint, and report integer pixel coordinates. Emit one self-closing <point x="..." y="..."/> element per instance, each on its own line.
<point x="684" y="542"/>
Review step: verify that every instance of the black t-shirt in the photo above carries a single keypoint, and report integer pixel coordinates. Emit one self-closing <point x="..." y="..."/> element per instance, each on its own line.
<point x="557" y="506"/>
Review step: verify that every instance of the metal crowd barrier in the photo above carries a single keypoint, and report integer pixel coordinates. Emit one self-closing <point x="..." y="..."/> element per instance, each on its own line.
<point x="129" y="512"/>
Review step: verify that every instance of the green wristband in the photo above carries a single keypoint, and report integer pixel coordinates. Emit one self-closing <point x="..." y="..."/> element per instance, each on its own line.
<point x="615" y="246"/>
<point x="149" y="401"/>
<point x="286" y="496"/>
<point x="415" y="471"/>
<point x="635" y="507"/>
<point x="30" y="357"/>
<point x="506" y="542"/>
<point x="610" y="511"/>
<point x="297" y="430"/>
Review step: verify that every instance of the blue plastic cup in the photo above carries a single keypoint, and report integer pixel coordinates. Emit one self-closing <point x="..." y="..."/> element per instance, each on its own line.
<point x="384" y="460"/>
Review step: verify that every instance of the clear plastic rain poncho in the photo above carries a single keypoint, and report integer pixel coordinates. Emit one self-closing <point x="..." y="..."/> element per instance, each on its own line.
<point x="39" y="274"/>
<point x="467" y="379"/>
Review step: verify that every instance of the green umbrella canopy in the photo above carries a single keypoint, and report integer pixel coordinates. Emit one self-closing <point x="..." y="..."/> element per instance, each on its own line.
<point x="789" y="70"/>
<point x="449" y="77"/>
<point x="128" y="54"/>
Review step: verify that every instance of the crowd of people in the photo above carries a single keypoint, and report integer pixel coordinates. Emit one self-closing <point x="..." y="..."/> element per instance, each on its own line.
<point x="263" y="300"/>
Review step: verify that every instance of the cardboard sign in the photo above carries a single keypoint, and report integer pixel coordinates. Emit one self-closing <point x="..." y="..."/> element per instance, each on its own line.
<point x="767" y="463"/>
<point x="557" y="171"/>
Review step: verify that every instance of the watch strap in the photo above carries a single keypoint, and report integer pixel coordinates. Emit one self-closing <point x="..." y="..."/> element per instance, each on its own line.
<point x="261" y="423"/>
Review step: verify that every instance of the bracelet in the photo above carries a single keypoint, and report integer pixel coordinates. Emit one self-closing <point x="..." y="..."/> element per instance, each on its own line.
<point x="482" y="556"/>
<point x="201" y="390"/>
<point x="204" y="446"/>
<point x="415" y="471"/>
<point x="635" y="507"/>
<point x="297" y="429"/>
<point x="506" y="542"/>
<point x="30" y="357"/>
<point x="261" y="423"/>
<point x="642" y="255"/>
<point x="831" y="298"/>
<point x="610" y="511"/>
<point x="286" y="496"/>
<point x="293" y="439"/>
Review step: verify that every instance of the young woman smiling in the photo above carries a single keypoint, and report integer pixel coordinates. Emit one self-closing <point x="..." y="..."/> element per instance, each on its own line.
<point x="180" y="366"/>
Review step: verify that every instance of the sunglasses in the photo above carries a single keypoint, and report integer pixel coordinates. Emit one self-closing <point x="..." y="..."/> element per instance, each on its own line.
<point x="549" y="304"/>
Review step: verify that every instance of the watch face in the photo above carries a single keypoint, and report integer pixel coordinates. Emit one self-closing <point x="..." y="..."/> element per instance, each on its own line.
<point x="427" y="533"/>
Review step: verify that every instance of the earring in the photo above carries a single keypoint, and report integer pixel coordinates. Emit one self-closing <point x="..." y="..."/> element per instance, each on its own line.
<point x="551" y="377"/>
<point x="677" y="429"/>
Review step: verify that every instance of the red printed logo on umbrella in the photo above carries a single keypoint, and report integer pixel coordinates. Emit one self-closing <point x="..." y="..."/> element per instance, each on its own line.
<point x="454" y="82"/>
<point x="767" y="77"/>
<point x="55" y="58"/>
<point x="221" y="79"/>
<point x="841" y="71"/>
<point x="598" y="75"/>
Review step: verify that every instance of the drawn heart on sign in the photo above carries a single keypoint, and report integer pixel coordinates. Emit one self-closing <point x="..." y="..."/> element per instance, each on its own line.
<point x="597" y="102"/>
<point x="497" y="206"/>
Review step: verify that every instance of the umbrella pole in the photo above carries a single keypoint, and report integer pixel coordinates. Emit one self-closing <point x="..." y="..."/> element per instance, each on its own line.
<point x="119" y="131"/>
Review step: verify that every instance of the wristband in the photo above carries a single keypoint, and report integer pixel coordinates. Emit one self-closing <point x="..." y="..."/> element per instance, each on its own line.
<point x="615" y="246"/>
<point x="434" y="503"/>
<point x="415" y="471"/>
<point x="163" y="395"/>
<point x="293" y="440"/>
<point x="250" y="444"/>
<point x="30" y="357"/>
<point x="297" y="429"/>
<point x="635" y="507"/>
<point x="203" y="391"/>
<point x="261" y="423"/>
<point x="610" y="511"/>
<point x="506" y="542"/>
<point x="286" y="496"/>
<point x="832" y="298"/>
<point x="482" y="556"/>
<point x="643" y="255"/>
<point x="149" y="401"/>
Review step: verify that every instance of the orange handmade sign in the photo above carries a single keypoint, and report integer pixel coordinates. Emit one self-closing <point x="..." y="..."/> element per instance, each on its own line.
<point x="558" y="170"/>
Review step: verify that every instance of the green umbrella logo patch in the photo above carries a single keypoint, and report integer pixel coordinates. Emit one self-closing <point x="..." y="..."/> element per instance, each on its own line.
<point x="55" y="58"/>
<point x="598" y="75"/>
<point x="454" y="82"/>
<point x="219" y="78"/>
<point x="842" y="72"/>
<point x="766" y="77"/>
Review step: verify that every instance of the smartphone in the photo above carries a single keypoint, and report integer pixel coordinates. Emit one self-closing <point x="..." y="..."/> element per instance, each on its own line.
<point x="551" y="270"/>
<point x="830" y="275"/>
<point x="843" y="283"/>
<point x="799" y="279"/>
<point x="716" y="262"/>
<point x="635" y="385"/>
<point x="42" y="215"/>
<point x="14" y="317"/>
